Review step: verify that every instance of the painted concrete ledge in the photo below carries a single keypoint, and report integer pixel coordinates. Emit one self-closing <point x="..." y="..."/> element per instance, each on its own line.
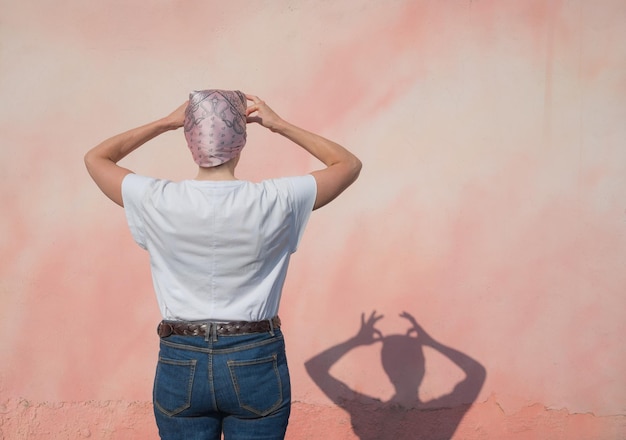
<point x="112" y="420"/>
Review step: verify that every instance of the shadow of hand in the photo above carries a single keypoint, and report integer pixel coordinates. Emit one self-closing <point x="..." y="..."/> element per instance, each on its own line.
<point x="368" y="334"/>
<point x="424" y="338"/>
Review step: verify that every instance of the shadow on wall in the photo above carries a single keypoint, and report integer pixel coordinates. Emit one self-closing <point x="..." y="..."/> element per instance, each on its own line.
<point x="404" y="416"/>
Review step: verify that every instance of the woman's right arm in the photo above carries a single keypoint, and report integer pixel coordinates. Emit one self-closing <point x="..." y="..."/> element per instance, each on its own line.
<point x="342" y="167"/>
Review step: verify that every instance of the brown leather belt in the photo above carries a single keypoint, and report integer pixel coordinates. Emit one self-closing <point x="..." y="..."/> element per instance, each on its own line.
<point x="185" y="328"/>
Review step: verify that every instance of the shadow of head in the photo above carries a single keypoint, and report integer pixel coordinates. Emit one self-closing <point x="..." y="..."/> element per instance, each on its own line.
<point x="403" y="361"/>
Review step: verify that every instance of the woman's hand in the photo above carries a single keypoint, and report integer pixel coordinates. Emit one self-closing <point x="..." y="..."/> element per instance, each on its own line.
<point x="342" y="167"/>
<point x="264" y="115"/>
<point x="176" y="119"/>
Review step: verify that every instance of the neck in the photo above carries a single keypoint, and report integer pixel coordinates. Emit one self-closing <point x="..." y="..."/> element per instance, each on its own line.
<point x="225" y="171"/>
<point x="406" y="397"/>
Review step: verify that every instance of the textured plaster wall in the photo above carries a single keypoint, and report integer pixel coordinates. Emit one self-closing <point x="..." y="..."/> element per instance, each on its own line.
<point x="491" y="209"/>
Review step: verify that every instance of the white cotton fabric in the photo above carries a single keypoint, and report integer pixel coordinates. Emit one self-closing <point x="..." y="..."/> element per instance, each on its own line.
<point x="219" y="250"/>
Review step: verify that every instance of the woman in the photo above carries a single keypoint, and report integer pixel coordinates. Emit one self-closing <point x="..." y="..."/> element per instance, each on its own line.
<point x="219" y="250"/>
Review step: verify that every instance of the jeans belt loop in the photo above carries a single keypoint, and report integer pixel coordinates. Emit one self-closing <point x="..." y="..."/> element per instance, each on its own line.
<point x="207" y="332"/>
<point x="213" y="331"/>
<point x="271" y="321"/>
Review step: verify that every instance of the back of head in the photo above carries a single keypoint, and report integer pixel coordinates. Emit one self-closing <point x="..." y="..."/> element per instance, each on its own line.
<point x="215" y="125"/>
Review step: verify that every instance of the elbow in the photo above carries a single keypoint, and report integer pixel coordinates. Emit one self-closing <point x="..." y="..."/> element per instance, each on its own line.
<point x="356" y="165"/>
<point x="94" y="157"/>
<point x="90" y="160"/>
<point x="313" y="368"/>
<point x="87" y="159"/>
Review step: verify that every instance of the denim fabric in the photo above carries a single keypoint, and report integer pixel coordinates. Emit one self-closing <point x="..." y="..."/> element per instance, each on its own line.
<point x="235" y="384"/>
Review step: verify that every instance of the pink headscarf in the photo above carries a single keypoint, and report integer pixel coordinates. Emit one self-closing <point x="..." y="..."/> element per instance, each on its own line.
<point x="215" y="125"/>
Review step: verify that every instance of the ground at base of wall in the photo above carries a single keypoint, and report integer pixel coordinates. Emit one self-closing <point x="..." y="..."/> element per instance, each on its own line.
<point x="113" y="420"/>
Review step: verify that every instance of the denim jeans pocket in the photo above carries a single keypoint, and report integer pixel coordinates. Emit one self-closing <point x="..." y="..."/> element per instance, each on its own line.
<point x="172" y="385"/>
<point x="258" y="384"/>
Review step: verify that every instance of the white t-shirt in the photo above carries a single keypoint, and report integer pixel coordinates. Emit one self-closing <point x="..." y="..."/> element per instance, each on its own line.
<point x="219" y="250"/>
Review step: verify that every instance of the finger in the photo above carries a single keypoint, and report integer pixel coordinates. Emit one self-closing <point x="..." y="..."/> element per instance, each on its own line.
<point x="375" y="318"/>
<point x="251" y="119"/>
<point x="253" y="98"/>
<point x="253" y="108"/>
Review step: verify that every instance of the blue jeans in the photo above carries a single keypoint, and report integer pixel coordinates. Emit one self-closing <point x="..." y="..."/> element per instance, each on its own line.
<point x="236" y="384"/>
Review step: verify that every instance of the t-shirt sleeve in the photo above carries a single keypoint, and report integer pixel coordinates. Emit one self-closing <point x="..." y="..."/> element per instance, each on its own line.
<point x="134" y="189"/>
<point x="303" y="191"/>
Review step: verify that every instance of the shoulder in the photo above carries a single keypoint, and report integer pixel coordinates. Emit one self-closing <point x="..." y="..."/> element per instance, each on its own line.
<point x="135" y="187"/>
<point x="132" y="179"/>
<point x="298" y="192"/>
<point x="296" y="186"/>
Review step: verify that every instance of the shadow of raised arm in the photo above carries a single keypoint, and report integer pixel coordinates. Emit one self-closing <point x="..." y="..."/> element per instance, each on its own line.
<point x="318" y="367"/>
<point x="466" y="390"/>
<point x="403" y="416"/>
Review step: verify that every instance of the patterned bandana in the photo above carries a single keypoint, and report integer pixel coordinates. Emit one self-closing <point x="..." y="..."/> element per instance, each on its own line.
<point x="215" y="126"/>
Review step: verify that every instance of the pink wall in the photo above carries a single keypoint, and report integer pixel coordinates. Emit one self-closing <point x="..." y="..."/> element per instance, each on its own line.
<point x="491" y="205"/>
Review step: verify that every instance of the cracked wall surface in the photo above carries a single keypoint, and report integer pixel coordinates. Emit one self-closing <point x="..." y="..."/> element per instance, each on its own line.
<point x="486" y="230"/>
<point x="123" y="420"/>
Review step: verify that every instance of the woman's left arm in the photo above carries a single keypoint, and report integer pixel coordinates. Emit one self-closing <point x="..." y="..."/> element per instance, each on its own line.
<point x="101" y="161"/>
